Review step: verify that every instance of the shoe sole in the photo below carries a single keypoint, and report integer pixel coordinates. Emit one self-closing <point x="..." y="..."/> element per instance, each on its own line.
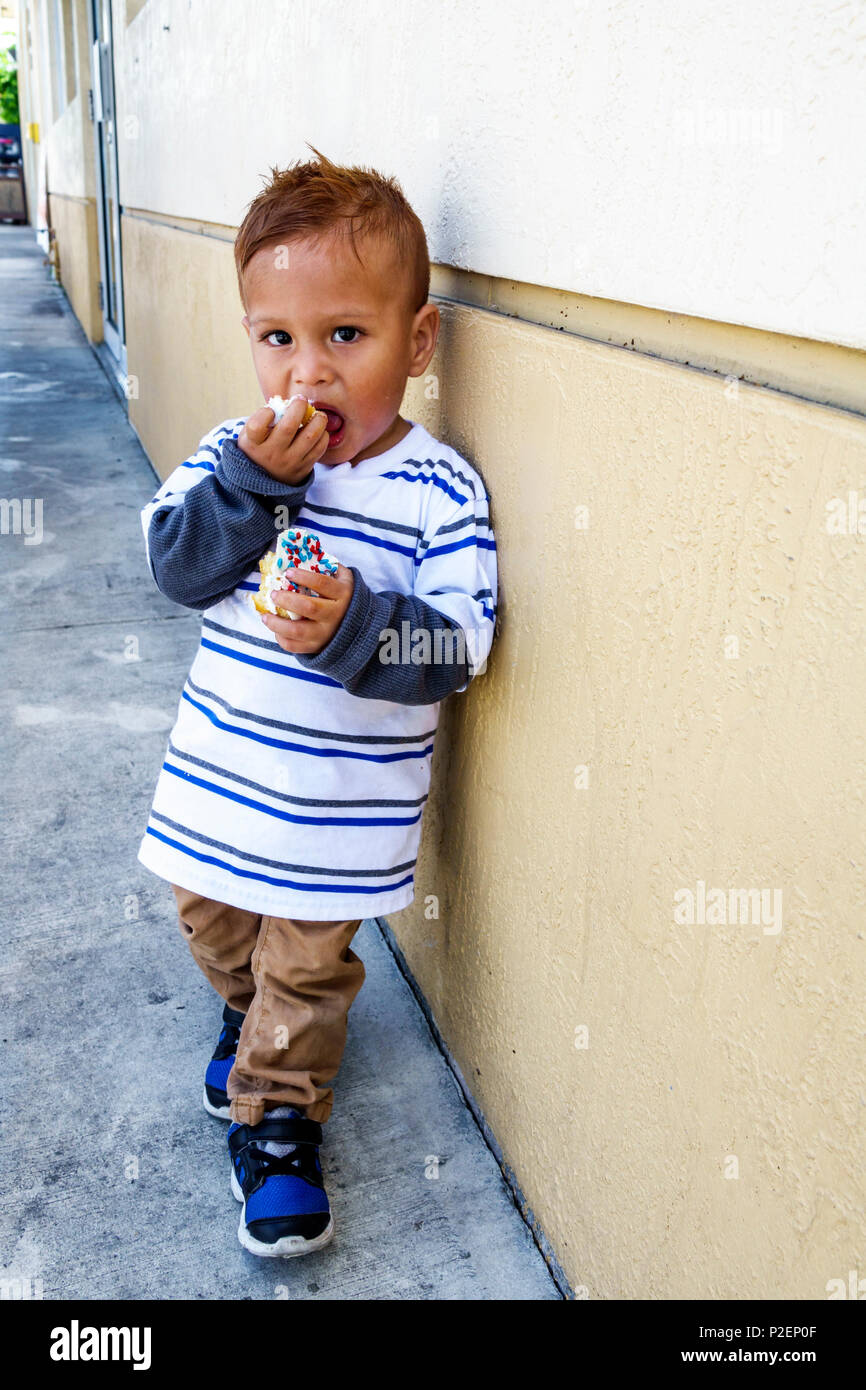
<point x="212" y="1109"/>
<point x="286" y="1248"/>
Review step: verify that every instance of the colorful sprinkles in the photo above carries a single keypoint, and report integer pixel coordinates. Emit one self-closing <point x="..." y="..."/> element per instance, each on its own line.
<point x="302" y="550"/>
<point x="296" y="549"/>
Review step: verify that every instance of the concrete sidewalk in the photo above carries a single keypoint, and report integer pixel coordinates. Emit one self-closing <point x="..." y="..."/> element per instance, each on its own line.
<point x="115" y="1181"/>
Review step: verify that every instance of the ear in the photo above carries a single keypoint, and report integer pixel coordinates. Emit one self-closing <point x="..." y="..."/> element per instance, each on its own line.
<point x="425" y="331"/>
<point x="246" y="323"/>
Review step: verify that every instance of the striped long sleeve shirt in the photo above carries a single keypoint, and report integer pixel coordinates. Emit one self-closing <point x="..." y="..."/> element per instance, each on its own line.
<point x="295" y="785"/>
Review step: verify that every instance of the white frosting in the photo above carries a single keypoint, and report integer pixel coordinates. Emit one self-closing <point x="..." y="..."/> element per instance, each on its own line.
<point x="271" y="606"/>
<point x="280" y="577"/>
<point x="280" y="406"/>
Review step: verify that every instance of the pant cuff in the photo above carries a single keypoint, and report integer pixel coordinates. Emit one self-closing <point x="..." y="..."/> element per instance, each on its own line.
<point x="247" y="1110"/>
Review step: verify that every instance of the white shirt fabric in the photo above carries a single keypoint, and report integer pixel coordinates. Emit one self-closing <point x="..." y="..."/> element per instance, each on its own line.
<point x="281" y="792"/>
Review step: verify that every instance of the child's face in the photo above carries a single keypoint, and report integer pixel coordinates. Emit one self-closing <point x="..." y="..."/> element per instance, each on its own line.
<point x="324" y="326"/>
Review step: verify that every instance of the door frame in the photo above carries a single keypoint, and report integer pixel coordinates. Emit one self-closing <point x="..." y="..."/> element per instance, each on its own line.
<point x="103" y="109"/>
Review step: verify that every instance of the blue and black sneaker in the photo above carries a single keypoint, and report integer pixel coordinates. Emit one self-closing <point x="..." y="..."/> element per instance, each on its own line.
<point x="277" y="1175"/>
<point x="216" y="1101"/>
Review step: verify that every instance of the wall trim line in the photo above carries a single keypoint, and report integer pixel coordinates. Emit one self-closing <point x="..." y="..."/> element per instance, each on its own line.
<point x="805" y="369"/>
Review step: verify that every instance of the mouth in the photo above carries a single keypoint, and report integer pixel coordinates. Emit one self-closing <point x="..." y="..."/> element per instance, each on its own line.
<point x="336" y="426"/>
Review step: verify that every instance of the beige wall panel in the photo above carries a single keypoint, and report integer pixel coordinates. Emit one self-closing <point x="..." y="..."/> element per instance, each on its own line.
<point x="186" y="346"/>
<point x="707" y="520"/>
<point x="74" y="221"/>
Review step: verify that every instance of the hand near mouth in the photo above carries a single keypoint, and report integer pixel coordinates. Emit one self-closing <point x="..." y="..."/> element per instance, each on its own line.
<point x="287" y="450"/>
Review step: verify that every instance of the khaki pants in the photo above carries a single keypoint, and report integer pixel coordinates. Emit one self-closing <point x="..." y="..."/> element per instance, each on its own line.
<point x="295" y="981"/>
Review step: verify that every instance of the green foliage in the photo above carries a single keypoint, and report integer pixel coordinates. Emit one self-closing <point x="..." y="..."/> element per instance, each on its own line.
<point x="8" y="88"/>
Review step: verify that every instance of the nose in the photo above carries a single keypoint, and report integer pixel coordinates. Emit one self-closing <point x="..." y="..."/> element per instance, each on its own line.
<point x="309" y="370"/>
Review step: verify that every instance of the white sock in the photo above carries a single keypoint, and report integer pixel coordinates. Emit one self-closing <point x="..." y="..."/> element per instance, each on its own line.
<point x="271" y="1146"/>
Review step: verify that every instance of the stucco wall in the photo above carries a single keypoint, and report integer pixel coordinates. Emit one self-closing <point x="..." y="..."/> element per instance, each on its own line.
<point x="188" y="356"/>
<point x="75" y="225"/>
<point x="707" y="1044"/>
<point x="702" y="156"/>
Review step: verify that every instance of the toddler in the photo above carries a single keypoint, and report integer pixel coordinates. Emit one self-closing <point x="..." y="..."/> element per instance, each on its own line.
<point x="296" y="774"/>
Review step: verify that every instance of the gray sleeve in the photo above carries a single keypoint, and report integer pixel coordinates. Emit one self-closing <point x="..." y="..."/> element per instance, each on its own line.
<point x="358" y="654"/>
<point x="200" y="549"/>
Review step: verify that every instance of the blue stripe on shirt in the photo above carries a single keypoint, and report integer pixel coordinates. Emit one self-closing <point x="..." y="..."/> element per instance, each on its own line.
<point x="429" y="478"/>
<point x="353" y="535"/>
<point x="299" y="747"/>
<point x="277" y="882"/>
<point x="480" y="541"/>
<point x="269" y="665"/>
<point x="287" y="815"/>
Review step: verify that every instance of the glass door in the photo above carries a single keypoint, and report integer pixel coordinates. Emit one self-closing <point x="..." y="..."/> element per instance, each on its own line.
<point x="108" y="207"/>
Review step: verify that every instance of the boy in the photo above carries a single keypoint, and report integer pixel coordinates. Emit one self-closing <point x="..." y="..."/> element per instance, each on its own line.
<point x="296" y="774"/>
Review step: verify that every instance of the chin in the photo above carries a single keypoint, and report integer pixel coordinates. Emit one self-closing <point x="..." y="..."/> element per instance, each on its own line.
<point x="341" y="454"/>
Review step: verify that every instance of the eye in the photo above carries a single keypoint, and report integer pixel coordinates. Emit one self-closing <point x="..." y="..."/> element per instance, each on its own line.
<point x="346" y="329"/>
<point x="278" y="333"/>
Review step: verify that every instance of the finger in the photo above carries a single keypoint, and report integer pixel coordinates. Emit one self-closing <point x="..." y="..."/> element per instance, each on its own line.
<point x="293" y="415"/>
<point x="318" y="449"/>
<point x="313" y="435"/>
<point x="306" y="609"/>
<point x="292" y="603"/>
<point x="315" y="452"/>
<point x="280" y="627"/>
<point x="258" y="425"/>
<point x="292" y="636"/>
<point x="324" y="584"/>
<point x="286" y="646"/>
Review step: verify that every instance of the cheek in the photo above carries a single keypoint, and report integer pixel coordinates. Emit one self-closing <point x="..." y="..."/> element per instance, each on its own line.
<point x="377" y="387"/>
<point x="262" y="364"/>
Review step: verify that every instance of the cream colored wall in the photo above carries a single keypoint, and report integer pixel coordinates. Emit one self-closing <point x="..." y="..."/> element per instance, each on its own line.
<point x="706" y="1044"/>
<point x="74" y="222"/>
<point x="187" y="354"/>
